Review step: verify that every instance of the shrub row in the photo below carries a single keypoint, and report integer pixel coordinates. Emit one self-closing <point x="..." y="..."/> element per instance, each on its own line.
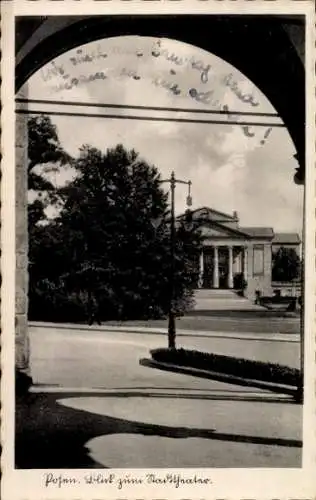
<point x="62" y="306"/>
<point x="255" y="370"/>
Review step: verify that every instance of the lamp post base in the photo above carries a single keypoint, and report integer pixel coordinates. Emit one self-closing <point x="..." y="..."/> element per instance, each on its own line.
<point x="299" y="396"/>
<point x="171" y="331"/>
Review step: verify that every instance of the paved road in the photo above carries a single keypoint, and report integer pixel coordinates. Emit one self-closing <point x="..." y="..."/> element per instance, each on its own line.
<point x="97" y="407"/>
<point x="78" y="346"/>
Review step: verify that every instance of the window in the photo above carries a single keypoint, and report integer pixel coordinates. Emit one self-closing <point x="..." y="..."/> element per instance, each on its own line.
<point x="258" y="260"/>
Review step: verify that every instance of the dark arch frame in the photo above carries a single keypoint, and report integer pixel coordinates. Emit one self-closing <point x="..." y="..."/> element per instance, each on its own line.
<point x="258" y="46"/>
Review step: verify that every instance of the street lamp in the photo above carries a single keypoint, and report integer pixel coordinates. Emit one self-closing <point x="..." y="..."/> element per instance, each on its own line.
<point x="171" y="315"/>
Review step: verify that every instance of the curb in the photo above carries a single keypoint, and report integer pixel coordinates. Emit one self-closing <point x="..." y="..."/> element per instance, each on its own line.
<point x="231" y="317"/>
<point x="278" y="337"/>
<point x="221" y="377"/>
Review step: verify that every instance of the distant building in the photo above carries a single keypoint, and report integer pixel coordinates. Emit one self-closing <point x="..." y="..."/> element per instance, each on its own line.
<point x="231" y="252"/>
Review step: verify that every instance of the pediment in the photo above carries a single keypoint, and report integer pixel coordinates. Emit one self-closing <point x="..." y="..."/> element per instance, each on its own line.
<point x="210" y="214"/>
<point x="214" y="229"/>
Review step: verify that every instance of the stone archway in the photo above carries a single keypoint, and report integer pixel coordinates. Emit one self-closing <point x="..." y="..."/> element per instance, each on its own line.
<point x="279" y="74"/>
<point x="229" y="37"/>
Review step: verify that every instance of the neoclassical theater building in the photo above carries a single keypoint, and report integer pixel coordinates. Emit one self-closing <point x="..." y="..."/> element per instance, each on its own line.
<point x="231" y="251"/>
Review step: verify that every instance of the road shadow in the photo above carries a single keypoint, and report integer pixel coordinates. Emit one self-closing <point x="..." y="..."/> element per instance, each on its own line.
<point x="52" y="435"/>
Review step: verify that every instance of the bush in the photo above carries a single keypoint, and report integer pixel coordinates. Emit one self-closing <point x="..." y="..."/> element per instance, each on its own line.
<point x="185" y="303"/>
<point x="239" y="282"/>
<point x="288" y="303"/>
<point x="48" y="302"/>
<point x="55" y="306"/>
<point x="256" y="370"/>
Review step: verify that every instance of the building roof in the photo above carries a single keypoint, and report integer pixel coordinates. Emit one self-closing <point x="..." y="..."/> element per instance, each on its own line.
<point x="286" y="239"/>
<point x="206" y="215"/>
<point x="211" y="214"/>
<point x="258" y="232"/>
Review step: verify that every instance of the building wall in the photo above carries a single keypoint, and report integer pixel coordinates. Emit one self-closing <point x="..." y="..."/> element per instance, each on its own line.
<point x="21" y="275"/>
<point x="260" y="282"/>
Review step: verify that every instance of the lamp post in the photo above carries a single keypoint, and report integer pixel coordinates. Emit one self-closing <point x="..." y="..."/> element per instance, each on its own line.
<point x="171" y="315"/>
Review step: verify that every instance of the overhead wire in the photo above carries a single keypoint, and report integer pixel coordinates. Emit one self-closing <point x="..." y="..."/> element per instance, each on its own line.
<point x="149" y="108"/>
<point x="148" y="118"/>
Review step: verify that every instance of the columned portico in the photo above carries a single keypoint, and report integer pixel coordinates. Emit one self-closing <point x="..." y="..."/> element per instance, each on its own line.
<point x="220" y="263"/>
<point x="234" y="257"/>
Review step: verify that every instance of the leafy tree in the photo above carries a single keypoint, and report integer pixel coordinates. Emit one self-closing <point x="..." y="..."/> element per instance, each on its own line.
<point x="43" y="148"/>
<point x="115" y="221"/>
<point x="46" y="153"/>
<point x="286" y="265"/>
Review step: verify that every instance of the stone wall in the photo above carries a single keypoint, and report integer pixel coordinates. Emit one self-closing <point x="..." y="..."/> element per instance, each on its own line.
<point x="21" y="276"/>
<point x="288" y="289"/>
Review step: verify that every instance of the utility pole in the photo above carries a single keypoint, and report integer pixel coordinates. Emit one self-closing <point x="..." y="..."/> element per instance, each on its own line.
<point x="300" y="397"/>
<point x="171" y="315"/>
<point x="299" y="179"/>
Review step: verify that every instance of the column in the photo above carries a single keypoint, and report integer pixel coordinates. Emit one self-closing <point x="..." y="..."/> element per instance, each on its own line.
<point x="201" y="269"/>
<point x="230" y="267"/>
<point x="22" y="353"/>
<point x="245" y="263"/>
<point x="215" y="268"/>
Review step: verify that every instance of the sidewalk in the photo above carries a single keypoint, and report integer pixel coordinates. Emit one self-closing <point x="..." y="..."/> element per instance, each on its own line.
<point x="282" y="337"/>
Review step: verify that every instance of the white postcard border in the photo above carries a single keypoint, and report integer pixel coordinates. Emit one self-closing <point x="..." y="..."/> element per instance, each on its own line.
<point x="226" y="483"/>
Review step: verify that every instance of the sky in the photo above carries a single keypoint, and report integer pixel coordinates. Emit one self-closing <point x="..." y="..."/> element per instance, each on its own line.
<point x="232" y="168"/>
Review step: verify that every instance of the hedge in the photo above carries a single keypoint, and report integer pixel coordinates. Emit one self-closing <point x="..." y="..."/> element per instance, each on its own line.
<point x="58" y="305"/>
<point x="255" y="370"/>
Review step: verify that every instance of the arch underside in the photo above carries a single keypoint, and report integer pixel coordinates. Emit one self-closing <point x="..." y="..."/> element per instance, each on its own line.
<point x="258" y="46"/>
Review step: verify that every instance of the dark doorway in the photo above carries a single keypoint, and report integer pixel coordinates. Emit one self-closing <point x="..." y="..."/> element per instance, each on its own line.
<point x="208" y="268"/>
<point x="223" y="267"/>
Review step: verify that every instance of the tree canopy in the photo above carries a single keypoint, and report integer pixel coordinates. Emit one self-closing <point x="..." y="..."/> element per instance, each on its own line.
<point x="43" y="148"/>
<point x="112" y="238"/>
<point x="45" y="154"/>
<point x="286" y="265"/>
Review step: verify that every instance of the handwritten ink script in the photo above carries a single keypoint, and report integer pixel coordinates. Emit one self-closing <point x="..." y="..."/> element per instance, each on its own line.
<point x="59" y="79"/>
<point x="119" y="482"/>
<point x="192" y="62"/>
<point x="82" y="57"/>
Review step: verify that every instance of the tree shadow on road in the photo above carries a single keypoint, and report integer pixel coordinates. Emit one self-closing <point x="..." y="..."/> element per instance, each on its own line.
<point x="51" y="435"/>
